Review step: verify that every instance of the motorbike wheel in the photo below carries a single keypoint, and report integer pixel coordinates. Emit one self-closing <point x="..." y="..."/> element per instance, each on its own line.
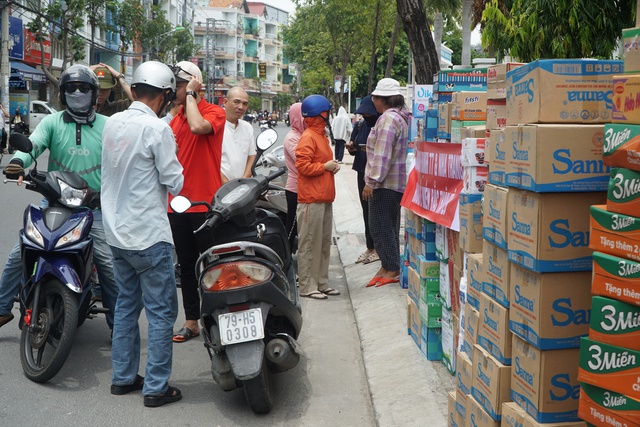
<point x="43" y="353"/>
<point x="259" y="391"/>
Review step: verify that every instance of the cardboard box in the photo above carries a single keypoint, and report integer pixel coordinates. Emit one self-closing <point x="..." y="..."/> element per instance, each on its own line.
<point x="474" y="180"/>
<point x="623" y="195"/>
<point x="444" y="120"/>
<point x="557" y="158"/>
<point x="493" y="330"/>
<point x="498" y="72"/>
<point x="495" y="273"/>
<point x="470" y="213"/>
<point x="431" y="343"/>
<point x="545" y="383"/>
<point x="473" y="152"/>
<point x="442" y="242"/>
<point x="414" y="324"/>
<point x="617" y="278"/>
<point x="512" y="415"/>
<point x="458" y="125"/>
<point x="475" y="279"/>
<point x="546" y="236"/>
<point x="491" y="382"/>
<point x="456" y="276"/>
<point x="451" y="409"/>
<point x="429" y="270"/>
<point x="456" y="254"/>
<point x="469" y="106"/>
<point x="479" y="417"/>
<point x="496" y="113"/>
<point x="550" y="310"/>
<point x="631" y="53"/>
<point x="499" y="149"/>
<point x="464" y="378"/>
<point x="626" y="88"/>
<point x="561" y="91"/>
<point x="497" y="91"/>
<point x="446" y="294"/>
<point x="602" y="407"/>
<point x="495" y="219"/>
<point x="465" y="79"/>
<point x="472" y="132"/>
<point x="449" y="346"/>
<point x="431" y="310"/>
<point x="610" y="367"/>
<point x="472" y="323"/>
<point x="414" y="285"/>
<point x="615" y="322"/>
<point x="613" y="233"/>
<point x="621" y="146"/>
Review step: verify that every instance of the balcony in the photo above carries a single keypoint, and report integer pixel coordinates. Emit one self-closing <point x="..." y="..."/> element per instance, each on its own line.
<point x="252" y="59"/>
<point x="225" y="53"/>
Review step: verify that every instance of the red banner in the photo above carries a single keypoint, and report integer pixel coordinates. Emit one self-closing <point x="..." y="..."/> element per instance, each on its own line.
<point x="435" y="183"/>
<point x="32" y="49"/>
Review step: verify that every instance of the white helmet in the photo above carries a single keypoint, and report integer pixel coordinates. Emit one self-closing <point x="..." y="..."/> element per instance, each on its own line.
<point x="156" y="74"/>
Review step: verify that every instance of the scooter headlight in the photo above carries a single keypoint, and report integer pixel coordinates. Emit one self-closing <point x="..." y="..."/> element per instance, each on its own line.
<point x="32" y="232"/>
<point x="233" y="275"/>
<point x="73" y="235"/>
<point x="70" y="196"/>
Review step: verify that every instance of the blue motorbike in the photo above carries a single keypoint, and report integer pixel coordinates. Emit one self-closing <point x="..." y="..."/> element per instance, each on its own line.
<point x="57" y="254"/>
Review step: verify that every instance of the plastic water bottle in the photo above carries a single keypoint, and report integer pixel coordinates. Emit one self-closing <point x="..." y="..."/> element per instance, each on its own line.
<point x="411" y="156"/>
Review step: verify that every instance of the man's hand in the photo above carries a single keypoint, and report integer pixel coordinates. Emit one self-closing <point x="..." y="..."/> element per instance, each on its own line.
<point x="14" y="170"/>
<point x="195" y="84"/>
<point x="367" y="193"/>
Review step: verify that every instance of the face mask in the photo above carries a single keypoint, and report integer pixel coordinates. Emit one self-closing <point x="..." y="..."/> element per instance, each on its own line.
<point x="371" y="120"/>
<point x="78" y="102"/>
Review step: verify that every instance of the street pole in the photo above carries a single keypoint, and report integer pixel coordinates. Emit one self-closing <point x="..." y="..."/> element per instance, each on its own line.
<point x="5" y="68"/>
<point x="349" y="104"/>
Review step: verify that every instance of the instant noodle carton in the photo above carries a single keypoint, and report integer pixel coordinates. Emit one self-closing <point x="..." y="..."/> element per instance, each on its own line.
<point x="602" y="407"/>
<point x="495" y="218"/>
<point x="613" y="233"/>
<point x="496" y="273"/>
<point x="617" y="278"/>
<point x="549" y="232"/>
<point x="493" y="329"/>
<point x="621" y="145"/>
<point x="490" y="383"/>
<point x="610" y="367"/>
<point x="623" y="195"/>
<point x="550" y="310"/>
<point x="631" y="44"/>
<point x="615" y="322"/>
<point x="545" y="383"/>
<point x="557" y="158"/>
<point x="626" y="99"/>
<point x="561" y="91"/>
<point x="514" y="416"/>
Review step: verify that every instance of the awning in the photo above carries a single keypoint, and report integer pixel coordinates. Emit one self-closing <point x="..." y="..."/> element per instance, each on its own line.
<point x="27" y="72"/>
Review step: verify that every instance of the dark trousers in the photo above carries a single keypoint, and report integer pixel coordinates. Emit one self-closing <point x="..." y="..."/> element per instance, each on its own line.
<point x="339" y="149"/>
<point x="189" y="246"/>
<point x="292" y="206"/>
<point x="3" y="141"/>
<point x="384" y="220"/>
<point x="365" y="211"/>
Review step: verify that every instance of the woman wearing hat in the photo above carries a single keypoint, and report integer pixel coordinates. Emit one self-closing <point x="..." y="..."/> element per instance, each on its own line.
<point x="386" y="177"/>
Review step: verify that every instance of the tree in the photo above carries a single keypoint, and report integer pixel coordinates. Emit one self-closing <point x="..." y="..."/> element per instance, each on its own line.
<point x="96" y="17"/>
<point x="466" y="32"/>
<point x="533" y="29"/>
<point x="415" y="24"/>
<point x="128" y="18"/>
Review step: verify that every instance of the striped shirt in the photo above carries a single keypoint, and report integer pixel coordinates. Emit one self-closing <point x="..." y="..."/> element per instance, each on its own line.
<point x="387" y="151"/>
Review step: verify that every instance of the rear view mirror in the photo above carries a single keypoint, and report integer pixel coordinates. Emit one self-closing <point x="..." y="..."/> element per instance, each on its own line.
<point x="20" y="142"/>
<point x="266" y="139"/>
<point x="180" y="204"/>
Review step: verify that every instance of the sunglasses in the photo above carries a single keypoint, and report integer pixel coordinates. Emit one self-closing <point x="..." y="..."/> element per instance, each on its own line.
<point x="82" y="87"/>
<point x="176" y="70"/>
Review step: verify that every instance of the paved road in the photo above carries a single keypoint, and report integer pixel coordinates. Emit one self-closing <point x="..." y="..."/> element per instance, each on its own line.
<point x="328" y="387"/>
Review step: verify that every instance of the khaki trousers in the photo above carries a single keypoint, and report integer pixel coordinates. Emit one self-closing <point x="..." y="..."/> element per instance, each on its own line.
<point x="315" y="224"/>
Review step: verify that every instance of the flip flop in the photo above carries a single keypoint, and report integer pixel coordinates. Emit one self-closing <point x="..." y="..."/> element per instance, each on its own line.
<point x="330" y="291"/>
<point x="373" y="257"/>
<point x="387" y="280"/>
<point x="363" y="256"/>
<point x="314" y="295"/>
<point x="184" y="335"/>
<point x="373" y="282"/>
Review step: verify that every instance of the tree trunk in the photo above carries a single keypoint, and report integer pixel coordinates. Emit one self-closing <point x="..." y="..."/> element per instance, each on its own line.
<point x="414" y="22"/>
<point x="392" y="46"/>
<point x="466" y="32"/>
<point x="438" y="25"/>
<point x="372" y="66"/>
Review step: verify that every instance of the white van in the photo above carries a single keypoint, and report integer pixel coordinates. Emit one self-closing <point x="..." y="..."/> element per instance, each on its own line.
<point x="37" y="111"/>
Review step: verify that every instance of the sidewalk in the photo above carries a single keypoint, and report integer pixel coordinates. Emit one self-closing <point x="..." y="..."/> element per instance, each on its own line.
<point x="406" y="389"/>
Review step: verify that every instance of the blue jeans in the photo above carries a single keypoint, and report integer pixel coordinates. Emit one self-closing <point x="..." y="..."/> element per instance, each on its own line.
<point x="146" y="279"/>
<point x="12" y="274"/>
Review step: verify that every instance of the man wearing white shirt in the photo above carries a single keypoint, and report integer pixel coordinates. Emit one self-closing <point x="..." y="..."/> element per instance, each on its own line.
<point x="238" y="148"/>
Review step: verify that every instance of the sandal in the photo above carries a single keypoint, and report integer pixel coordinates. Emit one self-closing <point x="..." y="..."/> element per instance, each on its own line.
<point x="171" y="395"/>
<point x="184" y="335"/>
<point x="364" y="256"/>
<point x="314" y="295"/>
<point x="6" y="318"/>
<point x="373" y="282"/>
<point x="119" y="390"/>
<point x="387" y="280"/>
<point x="330" y="291"/>
<point x="373" y="257"/>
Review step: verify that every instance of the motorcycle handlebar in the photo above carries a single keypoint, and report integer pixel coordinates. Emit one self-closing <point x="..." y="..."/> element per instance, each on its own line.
<point x="277" y="173"/>
<point x="208" y="224"/>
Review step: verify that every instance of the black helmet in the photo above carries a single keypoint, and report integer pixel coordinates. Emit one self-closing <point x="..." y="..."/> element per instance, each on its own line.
<point x="79" y="74"/>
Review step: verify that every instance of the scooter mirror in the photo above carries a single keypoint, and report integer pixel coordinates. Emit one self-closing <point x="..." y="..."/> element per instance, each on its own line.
<point x="20" y="142"/>
<point x="266" y="139"/>
<point x="180" y="204"/>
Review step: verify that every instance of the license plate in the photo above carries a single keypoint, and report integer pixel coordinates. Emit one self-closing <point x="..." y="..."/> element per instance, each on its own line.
<point x="241" y="326"/>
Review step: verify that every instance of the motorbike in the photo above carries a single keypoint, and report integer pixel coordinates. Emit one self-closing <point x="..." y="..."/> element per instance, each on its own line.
<point x="251" y="315"/>
<point x="57" y="252"/>
<point x="264" y="125"/>
<point x="275" y="199"/>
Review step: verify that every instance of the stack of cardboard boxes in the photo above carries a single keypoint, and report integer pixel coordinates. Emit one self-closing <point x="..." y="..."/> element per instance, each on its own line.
<point x="554" y="170"/>
<point x="610" y="356"/>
